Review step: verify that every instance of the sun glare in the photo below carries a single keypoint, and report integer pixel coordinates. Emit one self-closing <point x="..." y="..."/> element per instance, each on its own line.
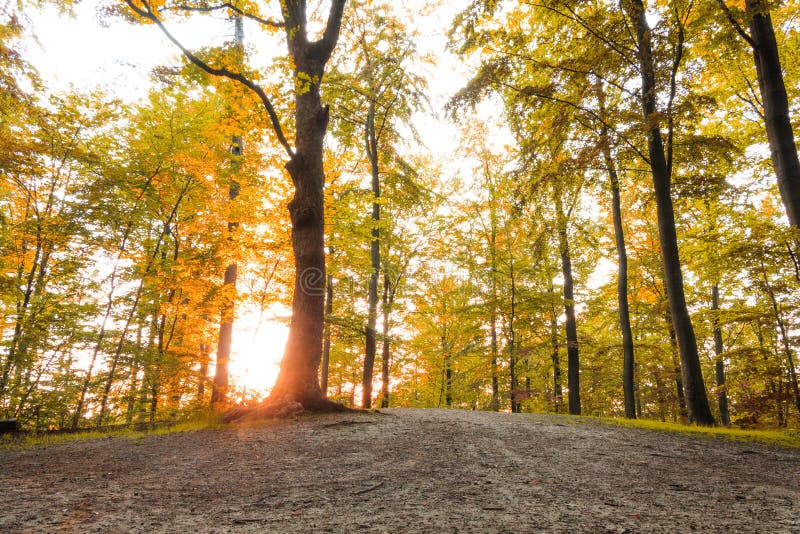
<point x="256" y="352"/>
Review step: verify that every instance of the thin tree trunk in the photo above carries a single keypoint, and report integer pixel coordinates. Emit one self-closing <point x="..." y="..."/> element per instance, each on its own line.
<point x="512" y="334"/>
<point x="787" y="349"/>
<point x="494" y="352"/>
<point x="371" y="144"/>
<point x="772" y="388"/>
<point x="683" y="411"/>
<point x="697" y="400"/>
<point x="722" y="394"/>
<point x="448" y="375"/>
<point x="219" y="390"/>
<point x="201" y="382"/>
<point x="555" y="347"/>
<point x="628" y="360"/>
<point x="21" y="316"/>
<point x="151" y="261"/>
<point x="386" y="354"/>
<point x="573" y="358"/>
<point x="326" y="346"/>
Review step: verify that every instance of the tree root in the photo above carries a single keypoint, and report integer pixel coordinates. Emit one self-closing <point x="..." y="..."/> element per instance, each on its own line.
<point x="283" y="409"/>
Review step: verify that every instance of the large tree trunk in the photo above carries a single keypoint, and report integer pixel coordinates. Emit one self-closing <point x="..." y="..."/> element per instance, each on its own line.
<point x="722" y="394"/>
<point x="298" y="378"/>
<point x="371" y="143"/>
<point x="297" y="386"/>
<point x="573" y="357"/>
<point x="776" y="107"/>
<point x="699" y="409"/>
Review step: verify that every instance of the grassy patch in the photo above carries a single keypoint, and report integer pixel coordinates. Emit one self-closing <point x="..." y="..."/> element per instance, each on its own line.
<point x="25" y="441"/>
<point x="779" y="438"/>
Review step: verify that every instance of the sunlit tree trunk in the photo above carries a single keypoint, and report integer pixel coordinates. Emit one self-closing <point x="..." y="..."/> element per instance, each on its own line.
<point x="298" y="377"/>
<point x="219" y="391"/>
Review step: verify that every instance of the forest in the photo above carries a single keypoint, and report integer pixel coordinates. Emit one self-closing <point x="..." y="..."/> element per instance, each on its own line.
<point x="583" y="207"/>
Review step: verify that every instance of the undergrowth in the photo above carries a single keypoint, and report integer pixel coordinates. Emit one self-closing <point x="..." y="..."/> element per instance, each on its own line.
<point x="778" y="437"/>
<point x="25" y="440"/>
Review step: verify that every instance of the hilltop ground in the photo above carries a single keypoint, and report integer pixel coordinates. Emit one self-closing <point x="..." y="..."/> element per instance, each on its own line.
<point x="404" y="471"/>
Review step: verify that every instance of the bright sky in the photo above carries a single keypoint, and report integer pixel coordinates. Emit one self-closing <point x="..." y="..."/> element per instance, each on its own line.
<point x="79" y="52"/>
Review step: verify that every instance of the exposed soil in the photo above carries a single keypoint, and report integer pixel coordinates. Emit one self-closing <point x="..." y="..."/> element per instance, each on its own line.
<point x="404" y="471"/>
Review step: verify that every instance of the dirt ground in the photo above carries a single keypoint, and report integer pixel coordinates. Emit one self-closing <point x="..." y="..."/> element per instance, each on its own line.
<point x="403" y="471"/>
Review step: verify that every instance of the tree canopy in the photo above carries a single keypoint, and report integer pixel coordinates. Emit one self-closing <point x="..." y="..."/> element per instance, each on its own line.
<point x="615" y="235"/>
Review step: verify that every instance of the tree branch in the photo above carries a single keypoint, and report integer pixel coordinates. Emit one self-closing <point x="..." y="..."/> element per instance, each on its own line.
<point x="735" y="23"/>
<point x="331" y="34"/>
<point x="673" y="83"/>
<point x="532" y="92"/>
<point x="228" y="5"/>
<point x="148" y="14"/>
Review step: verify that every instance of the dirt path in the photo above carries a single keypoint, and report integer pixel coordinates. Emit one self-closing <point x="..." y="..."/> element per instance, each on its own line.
<point x="406" y="471"/>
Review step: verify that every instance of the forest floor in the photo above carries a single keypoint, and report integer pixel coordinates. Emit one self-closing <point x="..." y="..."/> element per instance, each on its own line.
<point x="404" y="471"/>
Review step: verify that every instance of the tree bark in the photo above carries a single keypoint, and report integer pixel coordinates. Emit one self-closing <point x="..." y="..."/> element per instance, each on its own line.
<point x="219" y="389"/>
<point x="699" y="409"/>
<point x="512" y="333"/>
<point x="297" y="386"/>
